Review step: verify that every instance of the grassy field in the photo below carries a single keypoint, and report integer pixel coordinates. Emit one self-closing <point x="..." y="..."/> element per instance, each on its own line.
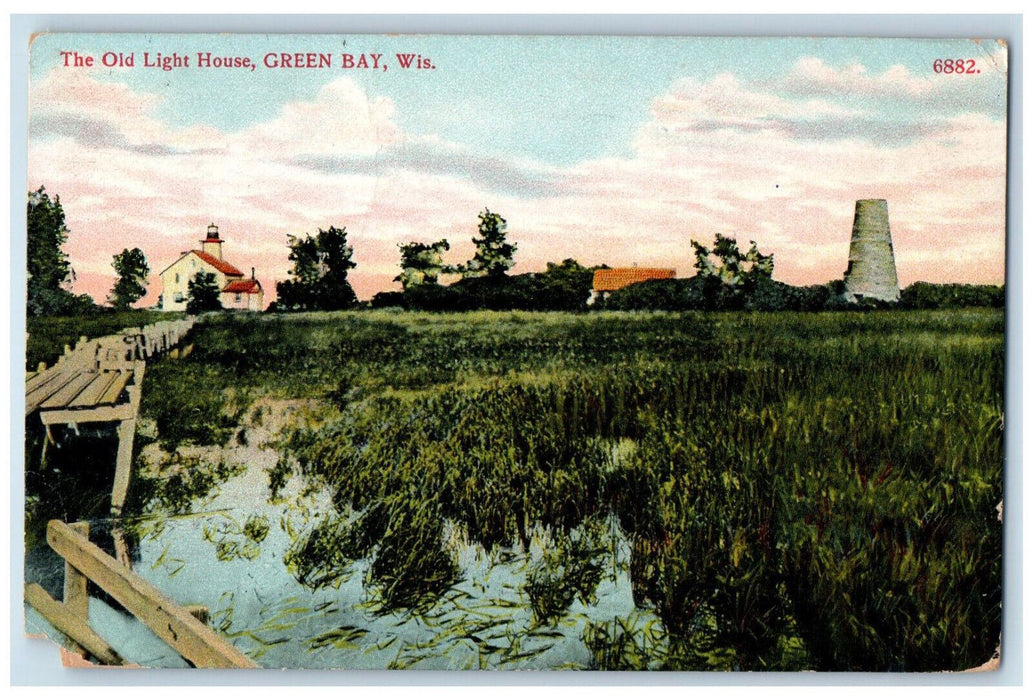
<point x="797" y="490"/>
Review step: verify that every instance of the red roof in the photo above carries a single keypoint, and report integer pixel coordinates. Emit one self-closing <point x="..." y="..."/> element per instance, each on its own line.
<point x="243" y="287"/>
<point x="620" y="277"/>
<point x="220" y="265"/>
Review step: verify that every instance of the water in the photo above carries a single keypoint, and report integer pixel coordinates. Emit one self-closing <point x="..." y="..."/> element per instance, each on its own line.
<point x="227" y="553"/>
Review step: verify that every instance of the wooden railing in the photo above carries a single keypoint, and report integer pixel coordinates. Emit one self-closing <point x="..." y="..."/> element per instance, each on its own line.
<point x="177" y="626"/>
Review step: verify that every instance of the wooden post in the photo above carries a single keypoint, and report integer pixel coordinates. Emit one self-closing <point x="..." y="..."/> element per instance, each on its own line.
<point x="118" y="535"/>
<point x="77" y="600"/>
<point x="191" y="639"/>
<point x="123" y="465"/>
<point x="126" y="433"/>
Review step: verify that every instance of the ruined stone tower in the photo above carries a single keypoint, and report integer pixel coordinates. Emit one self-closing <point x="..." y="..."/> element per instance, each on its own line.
<point x="871" y="272"/>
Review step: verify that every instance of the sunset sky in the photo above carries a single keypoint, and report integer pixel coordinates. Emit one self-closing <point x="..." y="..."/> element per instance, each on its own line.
<point x="607" y="150"/>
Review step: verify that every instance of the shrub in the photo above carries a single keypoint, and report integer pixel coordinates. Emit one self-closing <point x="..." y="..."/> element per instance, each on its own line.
<point x="923" y="295"/>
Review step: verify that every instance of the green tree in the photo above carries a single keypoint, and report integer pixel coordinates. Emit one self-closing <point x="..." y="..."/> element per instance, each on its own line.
<point x="728" y="264"/>
<point x="203" y="293"/>
<point x="494" y="256"/>
<point x="50" y="274"/>
<point x="132" y="270"/>
<point x="729" y="279"/>
<point x="335" y="256"/>
<point x="422" y="263"/>
<point x="319" y="274"/>
<point x="564" y="286"/>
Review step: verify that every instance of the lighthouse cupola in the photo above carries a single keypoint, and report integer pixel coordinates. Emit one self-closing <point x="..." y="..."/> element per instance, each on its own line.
<point x="212" y="244"/>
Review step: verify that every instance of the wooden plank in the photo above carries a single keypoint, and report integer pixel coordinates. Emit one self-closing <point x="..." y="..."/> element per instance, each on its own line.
<point x="69" y="366"/>
<point x="191" y="639"/>
<point x="69" y="391"/>
<point x="115" y="352"/>
<point x="75" y="628"/>
<point x="110" y="396"/>
<point x="42" y="378"/>
<point x="97" y="414"/>
<point x="90" y="396"/>
<point x="36" y="398"/>
<point x="40" y="382"/>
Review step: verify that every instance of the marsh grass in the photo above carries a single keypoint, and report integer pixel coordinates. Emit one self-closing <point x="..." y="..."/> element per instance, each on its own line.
<point x="796" y="490"/>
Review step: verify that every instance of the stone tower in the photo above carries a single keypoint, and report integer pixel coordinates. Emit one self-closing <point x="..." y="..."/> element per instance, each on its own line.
<point x="871" y="272"/>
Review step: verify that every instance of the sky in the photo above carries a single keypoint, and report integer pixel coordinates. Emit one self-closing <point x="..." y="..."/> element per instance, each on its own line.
<point x="609" y="150"/>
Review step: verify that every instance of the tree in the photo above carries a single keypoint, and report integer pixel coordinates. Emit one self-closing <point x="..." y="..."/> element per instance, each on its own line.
<point x="494" y="256"/>
<point x="726" y="263"/>
<point x="203" y="293"/>
<point x="422" y="263"/>
<point x="319" y="275"/>
<point x="727" y="277"/>
<point x="564" y="286"/>
<point x="50" y="273"/>
<point x="334" y="291"/>
<point x="132" y="270"/>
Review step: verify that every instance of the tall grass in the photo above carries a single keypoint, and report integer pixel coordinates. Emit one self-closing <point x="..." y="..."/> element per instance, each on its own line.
<point x="824" y="478"/>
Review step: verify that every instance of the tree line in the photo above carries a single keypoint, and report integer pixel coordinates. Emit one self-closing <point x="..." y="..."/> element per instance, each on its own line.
<point x="319" y="273"/>
<point x="726" y="278"/>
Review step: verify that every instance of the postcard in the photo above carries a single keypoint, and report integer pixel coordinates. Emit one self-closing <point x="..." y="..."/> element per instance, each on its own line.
<point x="516" y="352"/>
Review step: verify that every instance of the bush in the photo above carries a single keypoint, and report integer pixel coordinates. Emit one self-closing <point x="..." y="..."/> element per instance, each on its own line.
<point x="388" y="300"/>
<point x="923" y="295"/>
<point x="765" y="294"/>
<point x="59" y="302"/>
<point x="562" y="287"/>
<point x="701" y="293"/>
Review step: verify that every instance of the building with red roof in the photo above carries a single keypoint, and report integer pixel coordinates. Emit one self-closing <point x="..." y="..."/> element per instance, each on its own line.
<point x="237" y="291"/>
<point x="611" y="279"/>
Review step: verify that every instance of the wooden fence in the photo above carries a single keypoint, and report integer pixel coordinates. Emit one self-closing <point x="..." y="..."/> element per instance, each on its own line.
<point x="183" y="629"/>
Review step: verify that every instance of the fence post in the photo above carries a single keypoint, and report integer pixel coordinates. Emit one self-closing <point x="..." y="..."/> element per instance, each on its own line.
<point x="76" y="599"/>
<point x="193" y="640"/>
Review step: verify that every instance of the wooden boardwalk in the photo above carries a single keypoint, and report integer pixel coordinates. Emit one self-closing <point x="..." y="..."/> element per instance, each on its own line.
<point x="99" y="381"/>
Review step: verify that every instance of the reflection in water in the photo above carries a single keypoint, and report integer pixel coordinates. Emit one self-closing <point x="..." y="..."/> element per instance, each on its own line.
<point x="206" y="530"/>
